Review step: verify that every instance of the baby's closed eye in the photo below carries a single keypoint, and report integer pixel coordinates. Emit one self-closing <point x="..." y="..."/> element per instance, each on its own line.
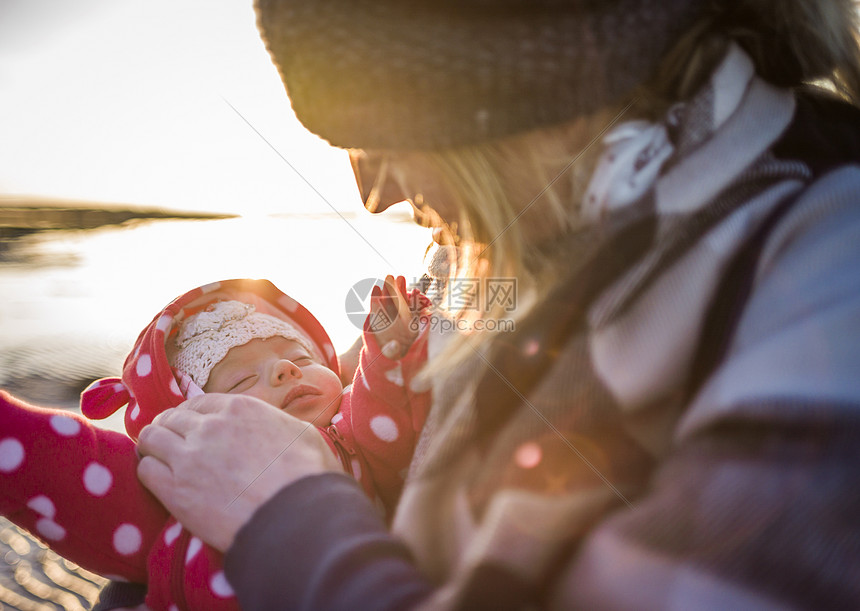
<point x="242" y="384"/>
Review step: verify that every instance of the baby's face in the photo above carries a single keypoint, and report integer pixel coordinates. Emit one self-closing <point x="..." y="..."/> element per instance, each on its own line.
<point x="282" y="373"/>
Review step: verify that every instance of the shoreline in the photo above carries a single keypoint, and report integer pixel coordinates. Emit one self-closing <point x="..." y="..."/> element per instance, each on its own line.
<point x="74" y="300"/>
<point x="21" y="216"/>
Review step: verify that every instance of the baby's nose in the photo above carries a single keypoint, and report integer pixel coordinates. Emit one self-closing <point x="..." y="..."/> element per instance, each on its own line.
<point x="283" y="371"/>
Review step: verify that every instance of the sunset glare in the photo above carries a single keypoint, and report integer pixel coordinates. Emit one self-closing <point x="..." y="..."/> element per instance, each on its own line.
<point x="155" y="103"/>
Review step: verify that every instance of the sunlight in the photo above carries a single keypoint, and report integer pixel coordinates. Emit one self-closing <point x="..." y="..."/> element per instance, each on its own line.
<point x="157" y="103"/>
<point x="174" y="106"/>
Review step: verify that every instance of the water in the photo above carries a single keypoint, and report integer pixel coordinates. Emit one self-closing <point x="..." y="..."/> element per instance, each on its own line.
<point x="73" y="302"/>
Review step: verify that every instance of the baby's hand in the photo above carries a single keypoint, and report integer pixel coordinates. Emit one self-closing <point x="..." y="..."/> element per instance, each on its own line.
<point x="393" y="318"/>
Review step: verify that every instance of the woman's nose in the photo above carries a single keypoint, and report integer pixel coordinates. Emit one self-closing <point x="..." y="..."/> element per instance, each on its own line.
<point x="371" y="172"/>
<point x="284" y="371"/>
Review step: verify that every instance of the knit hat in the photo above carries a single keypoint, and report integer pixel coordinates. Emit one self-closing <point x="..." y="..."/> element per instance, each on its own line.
<point x="205" y="338"/>
<point x="429" y="74"/>
<point x="149" y="385"/>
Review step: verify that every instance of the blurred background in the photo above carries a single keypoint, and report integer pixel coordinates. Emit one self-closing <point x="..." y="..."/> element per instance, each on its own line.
<point x="147" y="148"/>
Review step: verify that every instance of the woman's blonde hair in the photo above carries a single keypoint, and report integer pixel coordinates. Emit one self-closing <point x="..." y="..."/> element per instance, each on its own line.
<point x="515" y="196"/>
<point x="502" y="225"/>
<point x="793" y="43"/>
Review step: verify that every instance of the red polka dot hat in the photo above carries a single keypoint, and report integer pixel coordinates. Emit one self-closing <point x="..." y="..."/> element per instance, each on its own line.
<point x="149" y="385"/>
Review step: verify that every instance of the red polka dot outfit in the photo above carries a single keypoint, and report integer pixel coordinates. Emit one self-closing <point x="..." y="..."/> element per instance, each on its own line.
<point x="75" y="486"/>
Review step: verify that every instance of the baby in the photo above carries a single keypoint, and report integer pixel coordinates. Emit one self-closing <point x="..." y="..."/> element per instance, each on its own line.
<point x="75" y="485"/>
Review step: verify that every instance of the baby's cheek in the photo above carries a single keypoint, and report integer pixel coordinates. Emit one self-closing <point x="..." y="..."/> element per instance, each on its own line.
<point x="334" y="399"/>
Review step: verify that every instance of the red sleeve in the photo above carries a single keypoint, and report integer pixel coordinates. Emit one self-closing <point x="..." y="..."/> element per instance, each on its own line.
<point x="75" y="486"/>
<point x="185" y="573"/>
<point x="387" y="414"/>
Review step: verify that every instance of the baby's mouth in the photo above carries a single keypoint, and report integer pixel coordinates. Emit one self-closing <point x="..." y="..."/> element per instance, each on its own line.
<point x="296" y="394"/>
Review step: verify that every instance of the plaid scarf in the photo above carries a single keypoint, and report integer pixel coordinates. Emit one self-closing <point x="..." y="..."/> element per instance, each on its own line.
<point x="567" y="417"/>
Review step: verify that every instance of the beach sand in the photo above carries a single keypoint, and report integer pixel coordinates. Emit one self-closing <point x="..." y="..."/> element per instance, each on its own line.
<point x="33" y="578"/>
<point x="48" y="372"/>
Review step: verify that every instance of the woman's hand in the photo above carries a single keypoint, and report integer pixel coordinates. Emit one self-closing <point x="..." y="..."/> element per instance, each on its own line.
<point x="217" y="458"/>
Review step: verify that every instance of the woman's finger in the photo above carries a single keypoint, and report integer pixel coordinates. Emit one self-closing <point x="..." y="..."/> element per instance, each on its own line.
<point x="210" y="403"/>
<point x="156" y="476"/>
<point x="215" y="479"/>
<point x="159" y="442"/>
<point x="181" y="420"/>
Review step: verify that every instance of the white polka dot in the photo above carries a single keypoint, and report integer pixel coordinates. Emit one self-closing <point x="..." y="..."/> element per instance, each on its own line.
<point x="193" y="547"/>
<point x="172" y="608"/>
<point x="395" y="375"/>
<point x="384" y="427"/>
<point x="336" y="418"/>
<point x="94" y="385"/>
<point x="97" y="479"/>
<point x="11" y="454"/>
<point x="164" y="322"/>
<point x="288" y="303"/>
<point x="144" y="365"/>
<point x="171" y="533"/>
<point x="212" y="286"/>
<point x="127" y="539"/>
<point x="119" y="387"/>
<point x="43" y="506"/>
<point x="220" y="586"/>
<point x="135" y="411"/>
<point x="356" y="468"/>
<point x="50" y="529"/>
<point x="65" y="426"/>
<point x="174" y="388"/>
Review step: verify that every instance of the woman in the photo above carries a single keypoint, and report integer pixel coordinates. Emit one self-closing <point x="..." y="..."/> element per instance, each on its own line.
<point x="674" y="421"/>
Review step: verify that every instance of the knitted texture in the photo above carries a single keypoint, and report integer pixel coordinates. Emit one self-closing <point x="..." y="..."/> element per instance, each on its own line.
<point x="206" y="337"/>
<point x="94" y="510"/>
<point x="420" y="74"/>
<point x="568" y="467"/>
<point x="149" y="384"/>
